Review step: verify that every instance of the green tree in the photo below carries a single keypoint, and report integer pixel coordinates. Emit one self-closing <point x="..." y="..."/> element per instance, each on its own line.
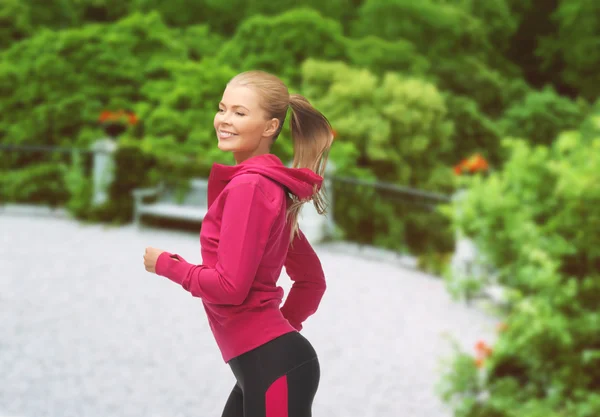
<point x="396" y="130"/>
<point x="436" y="29"/>
<point x="15" y="22"/>
<point x="574" y="48"/>
<point x="398" y="123"/>
<point x="181" y="108"/>
<point x="280" y="44"/>
<point x="224" y="17"/>
<point x="497" y="18"/>
<point x="541" y="116"/>
<point x="56" y="83"/>
<point x="535" y="220"/>
<point x="474" y="132"/>
<point x="379" y="55"/>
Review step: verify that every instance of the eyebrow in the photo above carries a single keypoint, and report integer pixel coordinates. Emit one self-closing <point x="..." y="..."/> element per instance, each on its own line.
<point x="236" y="106"/>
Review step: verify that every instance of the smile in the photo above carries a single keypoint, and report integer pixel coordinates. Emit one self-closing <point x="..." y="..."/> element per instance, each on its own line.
<point x="224" y="135"/>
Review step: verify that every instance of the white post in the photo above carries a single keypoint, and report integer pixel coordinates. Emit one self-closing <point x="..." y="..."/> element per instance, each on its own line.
<point x="314" y="225"/>
<point x="104" y="168"/>
<point x="330" y="221"/>
<point x="466" y="264"/>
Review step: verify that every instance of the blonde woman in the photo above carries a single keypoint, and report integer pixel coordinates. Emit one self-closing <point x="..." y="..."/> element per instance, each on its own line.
<point x="248" y="236"/>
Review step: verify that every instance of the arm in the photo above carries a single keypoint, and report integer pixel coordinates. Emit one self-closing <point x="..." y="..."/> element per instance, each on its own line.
<point x="248" y="216"/>
<point x="304" y="268"/>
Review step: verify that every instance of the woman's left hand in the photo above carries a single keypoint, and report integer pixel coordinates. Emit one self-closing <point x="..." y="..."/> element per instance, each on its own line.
<point x="150" y="257"/>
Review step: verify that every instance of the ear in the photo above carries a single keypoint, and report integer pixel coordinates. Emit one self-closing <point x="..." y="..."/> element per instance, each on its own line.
<point x="271" y="127"/>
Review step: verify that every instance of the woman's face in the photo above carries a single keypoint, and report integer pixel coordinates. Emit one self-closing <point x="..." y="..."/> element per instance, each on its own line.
<point x="242" y="125"/>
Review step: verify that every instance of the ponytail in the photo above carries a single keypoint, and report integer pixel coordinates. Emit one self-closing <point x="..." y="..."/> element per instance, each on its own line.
<point x="312" y="136"/>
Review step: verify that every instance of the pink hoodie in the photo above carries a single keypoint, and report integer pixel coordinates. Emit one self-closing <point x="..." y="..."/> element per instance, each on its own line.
<point x="244" y="243"/>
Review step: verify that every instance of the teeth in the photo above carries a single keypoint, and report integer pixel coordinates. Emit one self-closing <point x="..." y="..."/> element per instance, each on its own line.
<point x="225" y="134"/>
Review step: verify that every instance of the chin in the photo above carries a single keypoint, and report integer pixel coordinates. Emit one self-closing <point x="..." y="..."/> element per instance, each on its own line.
<point x="226" y="146"/>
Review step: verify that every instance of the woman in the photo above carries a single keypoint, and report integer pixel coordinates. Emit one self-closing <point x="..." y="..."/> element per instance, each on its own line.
<point x="249" y="234"/>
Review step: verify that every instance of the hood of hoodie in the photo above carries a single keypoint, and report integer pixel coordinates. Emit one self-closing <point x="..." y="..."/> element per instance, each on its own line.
<point x="299" y="181"/>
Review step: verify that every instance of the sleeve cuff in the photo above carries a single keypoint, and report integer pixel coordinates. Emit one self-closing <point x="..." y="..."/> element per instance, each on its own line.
<point x="166" y="265"/>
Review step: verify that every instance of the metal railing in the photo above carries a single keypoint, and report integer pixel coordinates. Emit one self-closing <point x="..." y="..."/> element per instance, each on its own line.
<point x="402" y="194"/>
<point x="422" y="198"/>
<point x="43" y="148"/>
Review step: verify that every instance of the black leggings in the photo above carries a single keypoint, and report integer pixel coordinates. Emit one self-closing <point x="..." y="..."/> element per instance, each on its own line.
<point x="277" y="379"/>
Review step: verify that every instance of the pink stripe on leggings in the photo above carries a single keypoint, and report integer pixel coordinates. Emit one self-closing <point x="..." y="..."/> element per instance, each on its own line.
<point x="277" y="398"/>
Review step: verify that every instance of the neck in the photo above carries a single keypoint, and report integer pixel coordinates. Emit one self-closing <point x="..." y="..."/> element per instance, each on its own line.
<point x="242" y="156"/>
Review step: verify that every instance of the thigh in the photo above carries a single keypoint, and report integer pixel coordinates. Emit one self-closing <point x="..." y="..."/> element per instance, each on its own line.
<point x="277" y="379"/>
<point x="287" y="395"/>
<point x="302" y="385"/>
<point x="234" y="407"/>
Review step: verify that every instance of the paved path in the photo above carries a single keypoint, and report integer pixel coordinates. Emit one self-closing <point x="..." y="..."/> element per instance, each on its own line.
<point x="85" y="331"/>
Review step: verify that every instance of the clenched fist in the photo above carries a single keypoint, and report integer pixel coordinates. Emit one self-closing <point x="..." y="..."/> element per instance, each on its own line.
<point x="150" y="257"/>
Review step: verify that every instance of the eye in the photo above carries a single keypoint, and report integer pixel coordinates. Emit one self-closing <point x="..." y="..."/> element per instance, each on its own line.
<point x="220" y="110"/>
<point x="239" y="114"/>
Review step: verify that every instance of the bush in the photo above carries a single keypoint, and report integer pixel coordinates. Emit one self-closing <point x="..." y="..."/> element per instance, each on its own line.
<point x="40" y="184"/>
<point x="279" y="44"/>
<point x="394" y="129"/>
<point x="541" y="115"/>
<point x="536" y="221"/>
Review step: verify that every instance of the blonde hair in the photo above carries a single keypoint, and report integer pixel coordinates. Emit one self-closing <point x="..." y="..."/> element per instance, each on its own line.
<point x="312" y="134"/>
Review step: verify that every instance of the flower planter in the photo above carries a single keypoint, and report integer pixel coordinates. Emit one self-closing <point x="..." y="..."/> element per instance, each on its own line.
<point x="114" y="130"/>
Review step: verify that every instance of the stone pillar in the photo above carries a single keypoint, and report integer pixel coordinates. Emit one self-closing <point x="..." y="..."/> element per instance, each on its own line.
<point x="317" y="227"/>
<point x="330" y="221"/>
<point x="466" y="263"/>
<point x="103" y="168"/>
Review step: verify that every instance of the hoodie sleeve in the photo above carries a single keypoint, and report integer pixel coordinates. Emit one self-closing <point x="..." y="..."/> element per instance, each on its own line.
<point x="304" y="268"/>
<point x="248" y="216"/>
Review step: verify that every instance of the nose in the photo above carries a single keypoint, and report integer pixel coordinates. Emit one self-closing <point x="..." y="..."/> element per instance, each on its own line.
<point x="224" y="117"/>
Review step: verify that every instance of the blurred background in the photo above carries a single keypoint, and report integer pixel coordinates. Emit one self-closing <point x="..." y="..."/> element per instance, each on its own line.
<point x="467" y="151"/>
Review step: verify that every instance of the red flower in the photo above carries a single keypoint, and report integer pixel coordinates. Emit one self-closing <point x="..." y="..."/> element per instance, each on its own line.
<point x="104" y="116"/>
<point x="123" y="116"/>
<point x="477" y="163"/>
<point x="483" y="349"/>
<point x="133" y="119"/>
<point x="474" y="164"/>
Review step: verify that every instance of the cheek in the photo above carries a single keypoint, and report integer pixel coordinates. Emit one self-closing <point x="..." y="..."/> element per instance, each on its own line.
<point x="247" y="128"/>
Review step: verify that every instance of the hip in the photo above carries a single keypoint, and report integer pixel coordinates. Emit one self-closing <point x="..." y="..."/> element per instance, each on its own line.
<point x="273" y="359"/>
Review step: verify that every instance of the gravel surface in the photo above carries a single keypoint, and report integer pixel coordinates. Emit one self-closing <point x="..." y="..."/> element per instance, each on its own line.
<point x="86" y="331"/>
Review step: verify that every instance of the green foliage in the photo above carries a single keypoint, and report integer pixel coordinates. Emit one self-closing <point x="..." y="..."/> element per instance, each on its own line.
<point x="380" y="56"/>
<point x="180" y="107"/>
<point x="201" y="42"/>
<point x="471" y="77"/>
<point x="183" y="13"/>
<point x="536" y="221"/>
<point x="15" y="22"/>
<point x="60" y="81"/>
<point x="474" y="132"/>
<point x="40" y="184"/>
<point x="436" y="29"/>
<point x="281" y="43"/>
<point x="396" y="129"/>
<point x="133" y="169"/>
<point x="541" y="115"/>
<point x="225" y="17"/>
<point x="80" y="187"/>
<point x="499" y="22"/>
<point x="573" y="50"/>
<point x="397" y="123"/>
